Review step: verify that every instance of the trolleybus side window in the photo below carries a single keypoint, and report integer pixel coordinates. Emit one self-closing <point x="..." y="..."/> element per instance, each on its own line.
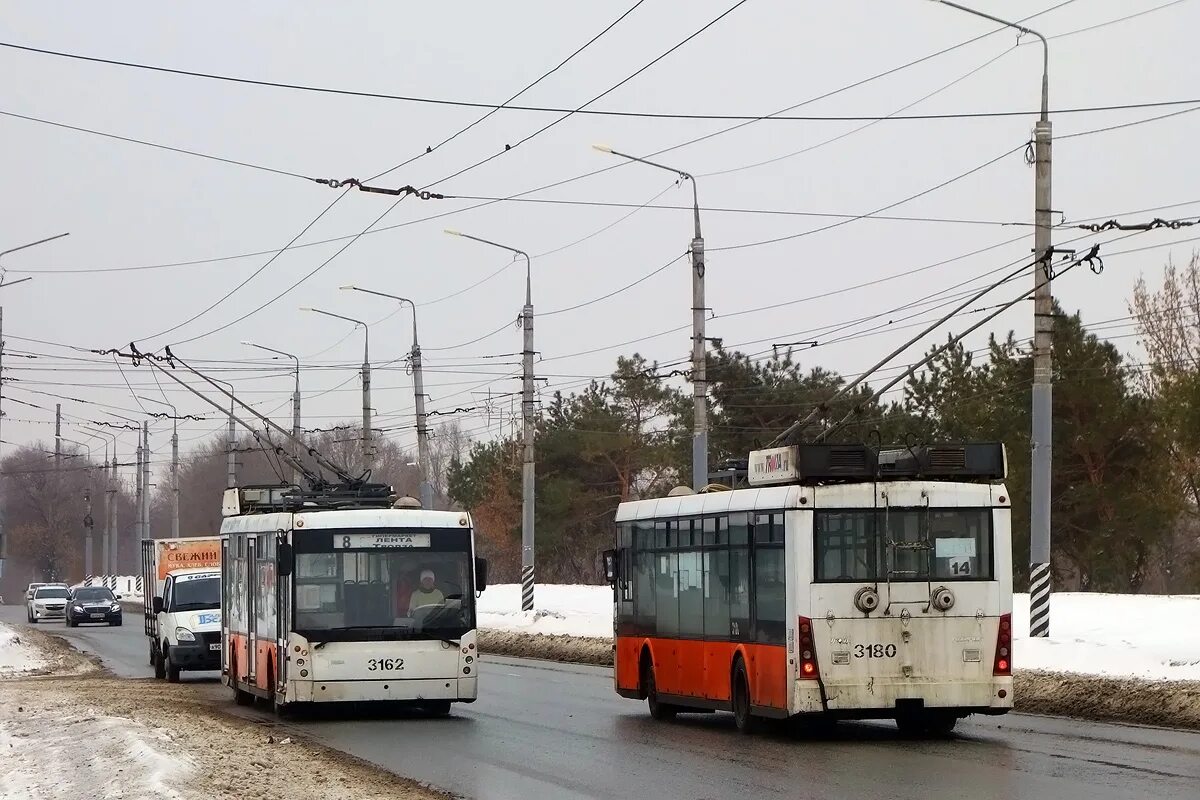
<point x="644" y="567"/>
<point x="691" y="586"/>
<point x="739" y="576"/>
<point x="667" y="593"/>
<point x="847" y="548"/>
<point x="769" y="595"/>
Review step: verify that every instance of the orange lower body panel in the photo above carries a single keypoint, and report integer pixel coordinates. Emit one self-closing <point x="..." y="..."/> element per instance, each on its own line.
<point x="264" y="661"/>
<point x="704" y="670"/>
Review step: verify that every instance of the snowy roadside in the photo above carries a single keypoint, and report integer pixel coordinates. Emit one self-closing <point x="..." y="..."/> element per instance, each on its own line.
<point x="98" y="736"/>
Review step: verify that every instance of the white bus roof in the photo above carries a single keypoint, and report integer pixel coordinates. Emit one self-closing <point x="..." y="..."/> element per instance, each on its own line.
<point x="348" y="518"/>
<point x="838" y="495"/>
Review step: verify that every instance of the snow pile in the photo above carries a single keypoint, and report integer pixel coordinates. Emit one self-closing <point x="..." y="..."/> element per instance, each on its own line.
<point x="1143" y="636"/>
<point x="570" y="610"/>
<point x="66" y="752"/>
<point x="18" y="656"/>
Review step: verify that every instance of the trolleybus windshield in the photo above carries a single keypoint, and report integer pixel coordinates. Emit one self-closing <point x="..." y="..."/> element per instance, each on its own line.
<point x="353" y="585"/>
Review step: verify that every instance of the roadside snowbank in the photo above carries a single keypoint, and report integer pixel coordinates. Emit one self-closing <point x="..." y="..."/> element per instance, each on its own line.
<point x="18" y="655"/>
<point x="124" y="758"/>
<point x="1141" y="636"/>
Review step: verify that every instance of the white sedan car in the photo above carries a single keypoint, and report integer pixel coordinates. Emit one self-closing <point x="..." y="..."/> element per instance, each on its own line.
<point x="48" y="602"/>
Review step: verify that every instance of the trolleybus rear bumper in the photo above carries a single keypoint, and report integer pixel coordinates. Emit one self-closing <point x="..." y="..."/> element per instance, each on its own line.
<point x="412" y="690"/>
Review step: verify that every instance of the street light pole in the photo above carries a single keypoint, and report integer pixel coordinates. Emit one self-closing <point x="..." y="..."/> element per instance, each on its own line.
<point x="230" y="438"/>
<point x="699" y="340"/>
<point x="296" y="432"/>
<point x="426" y="490"/>
<point x="88" y="523"/>
<point x="174" y="463"/>
<point x="1043" y="342"/>
<point x="367" y="447"/>
<point x="110" y="489"/>
<point x="527" y="466"/>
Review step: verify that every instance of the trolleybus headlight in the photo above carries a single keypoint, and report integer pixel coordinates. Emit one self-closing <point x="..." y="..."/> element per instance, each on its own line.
<point x="866" y="599"/>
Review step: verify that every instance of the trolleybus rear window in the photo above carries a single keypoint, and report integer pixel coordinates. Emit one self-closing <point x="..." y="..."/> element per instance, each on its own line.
<point x="903" y="544"/>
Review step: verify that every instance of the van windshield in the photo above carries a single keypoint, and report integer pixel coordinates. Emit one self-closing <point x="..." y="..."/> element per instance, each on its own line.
<point x="196" y="593"/>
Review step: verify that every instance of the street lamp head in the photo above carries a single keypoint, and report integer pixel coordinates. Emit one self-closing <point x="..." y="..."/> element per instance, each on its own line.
<point x="603" y="148"/>
<point x="248" y="344"/>
<point x="347" y="288"/>
<point x="453" y="232"/>
<point x="307" y="308"/>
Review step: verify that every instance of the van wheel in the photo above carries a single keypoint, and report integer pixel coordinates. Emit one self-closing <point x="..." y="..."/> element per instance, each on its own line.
<point x="156" y="658"/>
<point x="745" y="721"/>
<point x="170" y="668"/>
<point x="658" y="710"/>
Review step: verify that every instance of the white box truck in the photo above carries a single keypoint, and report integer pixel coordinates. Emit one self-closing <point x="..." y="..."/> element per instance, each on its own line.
<point x="182" y="579"/>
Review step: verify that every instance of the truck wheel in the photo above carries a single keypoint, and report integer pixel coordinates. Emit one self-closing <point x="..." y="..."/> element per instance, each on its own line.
<point x="171" y="669"/>
<point x="159" y="670"/>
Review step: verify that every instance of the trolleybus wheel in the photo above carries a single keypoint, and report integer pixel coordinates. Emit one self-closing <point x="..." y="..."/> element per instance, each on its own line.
<point x="240" y="697"/>
<point x="940" y="723"/>
<point x="437" y="708"/>
<point x="745" y="721"/>
<point x="658" y="710"/>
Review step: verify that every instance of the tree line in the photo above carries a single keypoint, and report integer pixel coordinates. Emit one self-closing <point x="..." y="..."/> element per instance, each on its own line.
<point x="1126" y="447"/>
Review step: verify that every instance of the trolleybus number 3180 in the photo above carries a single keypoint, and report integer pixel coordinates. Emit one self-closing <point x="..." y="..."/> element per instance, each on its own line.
<point x="874" y="651"/>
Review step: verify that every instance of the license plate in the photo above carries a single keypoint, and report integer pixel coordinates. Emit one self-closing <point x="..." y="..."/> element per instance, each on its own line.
<point x="97" y="616"/>
<point x="214" y="647"/>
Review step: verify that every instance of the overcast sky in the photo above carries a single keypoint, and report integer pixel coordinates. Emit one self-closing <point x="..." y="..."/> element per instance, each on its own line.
<point x="127" y="205"/>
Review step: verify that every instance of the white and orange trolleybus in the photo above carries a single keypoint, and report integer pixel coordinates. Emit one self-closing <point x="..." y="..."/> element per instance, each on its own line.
<point x="331" y="597"/>
<point x="846" y="582"/>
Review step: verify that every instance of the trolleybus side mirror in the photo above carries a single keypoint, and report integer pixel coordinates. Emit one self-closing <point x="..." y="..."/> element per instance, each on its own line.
<point x="157" y="605"/>
<point x="610" y="567"/>
<point x="481" y="575"/>
<point x="286" y="559"/>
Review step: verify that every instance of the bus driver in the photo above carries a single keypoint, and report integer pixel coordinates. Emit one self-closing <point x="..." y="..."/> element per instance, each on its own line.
<point x="427" y="594"/>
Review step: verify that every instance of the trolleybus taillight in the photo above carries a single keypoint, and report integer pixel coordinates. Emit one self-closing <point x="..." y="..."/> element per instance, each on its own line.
<point x="1003" y="663"/>
<point x="807" y="650"/>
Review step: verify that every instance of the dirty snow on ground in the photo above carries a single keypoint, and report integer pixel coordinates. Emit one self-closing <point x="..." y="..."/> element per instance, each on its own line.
<point x="1144" y="636"/>
<point x="69" y="752"/>
<point x="17" y="655"/>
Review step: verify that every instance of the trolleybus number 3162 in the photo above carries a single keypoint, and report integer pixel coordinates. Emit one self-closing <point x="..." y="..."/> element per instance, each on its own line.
<point x="376" y="664"/>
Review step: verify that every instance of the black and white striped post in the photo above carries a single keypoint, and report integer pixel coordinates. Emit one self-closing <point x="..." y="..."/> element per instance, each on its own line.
<point x="1039" y="600"/>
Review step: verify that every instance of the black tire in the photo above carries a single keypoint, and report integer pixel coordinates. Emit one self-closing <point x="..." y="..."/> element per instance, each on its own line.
<point x="240" y="697"/>
<point x="745" y="721"/>
<point x="116" y="624"/>
<point x="171" y="669"/>
<point x="940" y="723"/>
<point x="160" y="671"/>
<point x="658" y="710"/>
<point x="437" y="708"/>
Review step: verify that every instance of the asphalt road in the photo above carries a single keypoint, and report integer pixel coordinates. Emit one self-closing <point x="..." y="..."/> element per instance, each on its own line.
<point x="557" y="731"/>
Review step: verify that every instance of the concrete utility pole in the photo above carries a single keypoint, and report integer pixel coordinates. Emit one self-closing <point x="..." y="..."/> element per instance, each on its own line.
<point x="146" y="480"/>
<point x="139" y="534"/>
<point x="527" y="414"/>
<point x="1043" y="340"/>
<point x="368" y="449"/>
<point x="699" y="339"/>
<point x="419" y="398"/>
<point x="88" y="524"/>
<point x="110" y="557"/>
<point x="296" y="429"/>
<point x="174" y="462"/>
<point x="110" y="489"/>
<point x="57" y="436"/>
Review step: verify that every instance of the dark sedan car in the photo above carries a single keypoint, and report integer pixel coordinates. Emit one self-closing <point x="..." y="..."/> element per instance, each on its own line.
<point x="93" y="604"/>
